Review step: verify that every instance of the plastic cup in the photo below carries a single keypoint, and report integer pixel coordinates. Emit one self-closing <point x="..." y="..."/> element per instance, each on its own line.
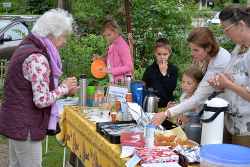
<point x="90" y="96"/>
<point x="90" y="102"/>
<point x="99" y="87"/>
<point x="91" y="90"/>
<point x="113" y="116"/>
<point x="105" y="115"/>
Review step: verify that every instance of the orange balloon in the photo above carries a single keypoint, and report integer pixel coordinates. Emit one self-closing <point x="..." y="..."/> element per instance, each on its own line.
<point x="95" y="69"/>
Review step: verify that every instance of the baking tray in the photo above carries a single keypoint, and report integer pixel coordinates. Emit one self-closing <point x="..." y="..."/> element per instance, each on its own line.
<point x="114" y="139"/>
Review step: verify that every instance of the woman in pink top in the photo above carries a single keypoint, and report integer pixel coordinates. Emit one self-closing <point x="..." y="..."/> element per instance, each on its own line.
<point x="118" y="57"/>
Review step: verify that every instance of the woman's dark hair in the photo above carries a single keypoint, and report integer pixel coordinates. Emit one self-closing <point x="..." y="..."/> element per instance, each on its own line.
<point x="234" y="13"/>
<point x="203" y="37"/>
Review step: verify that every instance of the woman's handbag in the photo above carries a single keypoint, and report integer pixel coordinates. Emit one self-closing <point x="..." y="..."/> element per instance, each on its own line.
<point x="54" y="132"/>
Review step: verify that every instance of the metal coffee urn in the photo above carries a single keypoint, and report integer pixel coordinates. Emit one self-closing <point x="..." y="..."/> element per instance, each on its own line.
<point x="150" y="103"/>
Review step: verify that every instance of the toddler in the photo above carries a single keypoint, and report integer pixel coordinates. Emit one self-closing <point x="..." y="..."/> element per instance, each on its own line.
<point x="191" y="77"/>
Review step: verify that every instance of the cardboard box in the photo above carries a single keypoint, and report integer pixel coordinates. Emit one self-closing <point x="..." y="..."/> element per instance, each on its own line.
<point x="167" y="164"/>
<point x="156" y="155"/>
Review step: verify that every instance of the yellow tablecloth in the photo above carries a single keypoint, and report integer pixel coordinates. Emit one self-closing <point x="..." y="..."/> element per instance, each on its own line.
<point x="79" y="134"/>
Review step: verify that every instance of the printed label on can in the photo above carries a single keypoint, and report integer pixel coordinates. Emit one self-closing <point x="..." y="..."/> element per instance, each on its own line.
<point x="150" y="135"/>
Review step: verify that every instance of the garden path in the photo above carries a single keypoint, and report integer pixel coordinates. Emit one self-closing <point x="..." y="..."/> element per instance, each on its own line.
<point x="4" y="155"/>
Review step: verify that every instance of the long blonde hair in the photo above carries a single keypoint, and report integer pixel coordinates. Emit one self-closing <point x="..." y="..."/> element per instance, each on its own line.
<point x="111" y="24"/>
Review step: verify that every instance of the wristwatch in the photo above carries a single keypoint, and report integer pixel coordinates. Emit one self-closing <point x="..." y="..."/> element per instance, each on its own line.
<point x="165" y="113"/>
<point x="164" y="74"/>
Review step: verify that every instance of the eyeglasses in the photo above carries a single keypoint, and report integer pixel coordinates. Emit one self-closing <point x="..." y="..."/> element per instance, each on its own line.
<point x="229" y="27"/>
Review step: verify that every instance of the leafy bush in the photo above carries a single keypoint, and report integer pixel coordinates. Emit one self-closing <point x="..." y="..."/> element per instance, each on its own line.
<point x="77" y="57"/>
<point x="34" y="6"/>
<point x="87" y="26"/>
<point x="13" y="9"/>
<point x="220" y="3"/>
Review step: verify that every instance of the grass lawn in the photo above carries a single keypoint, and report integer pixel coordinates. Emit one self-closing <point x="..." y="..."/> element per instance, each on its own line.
<point x="54" y="157"/>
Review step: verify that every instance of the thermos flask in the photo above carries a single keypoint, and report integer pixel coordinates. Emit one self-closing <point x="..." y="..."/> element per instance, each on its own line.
<point x="213" y="120"/>
<point x="83" y="91"/>
<point x="127" y="81"/>
<point x="150" y="103"/>
<point x="193" y="127"/>
<point x="136" y="90"/>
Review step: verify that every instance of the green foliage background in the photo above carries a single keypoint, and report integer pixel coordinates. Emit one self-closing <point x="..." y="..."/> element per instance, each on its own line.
<point x="170" y="17"/>
<point x="22" y="7"/>
<point x="148" y="17"/>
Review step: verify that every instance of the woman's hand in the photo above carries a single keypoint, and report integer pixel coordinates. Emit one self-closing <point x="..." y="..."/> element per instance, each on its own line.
<point x="73" y="91"/>
<point x="158" y="119"/>
<point x="104" y="69"/>
<point x="219" y="81"/>
<point x="71" y="83"/>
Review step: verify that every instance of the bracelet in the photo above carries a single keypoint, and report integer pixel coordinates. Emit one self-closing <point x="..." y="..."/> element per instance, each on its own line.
<point x="166" y="114"/>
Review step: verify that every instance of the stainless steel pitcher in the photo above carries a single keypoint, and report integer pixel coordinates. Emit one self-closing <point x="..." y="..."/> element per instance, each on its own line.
<point x="150" y="104"/>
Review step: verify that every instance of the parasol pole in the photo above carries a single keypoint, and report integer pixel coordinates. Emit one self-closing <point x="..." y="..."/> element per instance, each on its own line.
<point x="129" y="32"/>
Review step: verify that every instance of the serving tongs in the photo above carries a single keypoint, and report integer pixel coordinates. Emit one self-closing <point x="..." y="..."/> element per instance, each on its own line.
<point x="116" y="125"/>
<point x="139" y="115"/>
<point x="118" y="129"/>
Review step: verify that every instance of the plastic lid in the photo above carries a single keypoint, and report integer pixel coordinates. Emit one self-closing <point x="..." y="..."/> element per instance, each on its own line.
<point x="132" y="139"/>
<point x="150" y="126"/>
<point x="99" y="87"/>
<point x="95" y="69"/>
<point x="216" y="102"/>
<point x="226" y="154"/>
<point x="83" y="76"/>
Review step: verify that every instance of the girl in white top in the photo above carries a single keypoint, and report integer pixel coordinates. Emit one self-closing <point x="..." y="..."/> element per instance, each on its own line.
<point x="203" y="46"/>
<point x="191" y="78"/>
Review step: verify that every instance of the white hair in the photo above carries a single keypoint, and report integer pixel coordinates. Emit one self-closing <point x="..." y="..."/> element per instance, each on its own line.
<point x="54" y="22"/>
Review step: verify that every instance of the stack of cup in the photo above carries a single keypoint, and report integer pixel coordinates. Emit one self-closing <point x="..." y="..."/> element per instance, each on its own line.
<point x="99" y="96"/>
<point x="90" y="95"/>
<point x="128" y="99"/>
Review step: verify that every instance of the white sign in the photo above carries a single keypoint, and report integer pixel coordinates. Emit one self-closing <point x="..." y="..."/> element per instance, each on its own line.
<point x="6" y="5"/>
<point x="120" y="92"/>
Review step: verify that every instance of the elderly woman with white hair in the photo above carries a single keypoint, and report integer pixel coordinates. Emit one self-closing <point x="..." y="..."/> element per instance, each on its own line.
<point x="31" y="88"/>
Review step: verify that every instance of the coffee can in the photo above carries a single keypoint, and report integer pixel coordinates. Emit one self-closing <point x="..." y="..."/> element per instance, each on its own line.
<point x="150" y="136"/>
<point x="129" y="97"/>
<point x="118" y="105"/>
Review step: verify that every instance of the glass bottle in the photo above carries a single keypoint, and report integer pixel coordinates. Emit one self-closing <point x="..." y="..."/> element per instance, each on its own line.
<point x="111" y="99"/>
<point x="119" y="82"/>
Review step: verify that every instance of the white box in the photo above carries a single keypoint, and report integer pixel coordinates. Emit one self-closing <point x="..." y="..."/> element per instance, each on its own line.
<point x="168" y="164"/>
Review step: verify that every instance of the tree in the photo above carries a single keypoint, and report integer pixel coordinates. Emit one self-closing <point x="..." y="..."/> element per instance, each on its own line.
<point x="35" y="6"/>
<point x="65" y="4"/>
<point x="220" y="3"/>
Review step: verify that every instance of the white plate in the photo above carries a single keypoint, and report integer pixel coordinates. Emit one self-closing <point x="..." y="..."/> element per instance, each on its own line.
<point x="99" y="119"/>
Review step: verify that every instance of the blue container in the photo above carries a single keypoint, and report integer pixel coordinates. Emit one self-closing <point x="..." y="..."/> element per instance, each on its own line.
<point x="225" y="155"/>
<point x="137" y="92"/>
<point x="90" y="102"/>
